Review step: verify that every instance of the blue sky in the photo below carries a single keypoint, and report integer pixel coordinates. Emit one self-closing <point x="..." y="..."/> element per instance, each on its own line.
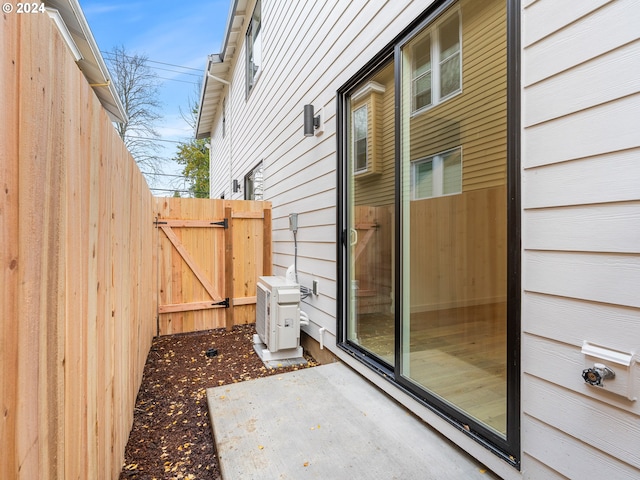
<point x="174" y="32"/>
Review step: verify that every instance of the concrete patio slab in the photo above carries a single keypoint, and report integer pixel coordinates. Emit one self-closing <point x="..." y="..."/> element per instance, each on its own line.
<point x="327" y="423"/>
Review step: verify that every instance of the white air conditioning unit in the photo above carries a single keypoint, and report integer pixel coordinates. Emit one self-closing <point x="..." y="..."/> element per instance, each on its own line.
<point x="278" y="316"/>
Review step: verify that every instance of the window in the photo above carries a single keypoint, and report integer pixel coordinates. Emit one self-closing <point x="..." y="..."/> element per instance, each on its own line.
<point x="437" y="175"/>
<point x="436" y="63"/>
<point x="254" y="46"/>
<point x="254" y="184"/>
<point x="224" y="117"/>
<point x="366" y="135"/>
<point x="360" y="127"/>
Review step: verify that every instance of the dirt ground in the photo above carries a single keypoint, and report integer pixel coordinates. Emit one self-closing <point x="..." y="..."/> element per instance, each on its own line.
<point x="171" y="435"/>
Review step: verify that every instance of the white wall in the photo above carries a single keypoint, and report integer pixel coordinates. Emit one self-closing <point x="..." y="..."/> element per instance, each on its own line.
<point x="300" y="172"/>
<point x="581" y="233"/>
<point x="220" y="154"/>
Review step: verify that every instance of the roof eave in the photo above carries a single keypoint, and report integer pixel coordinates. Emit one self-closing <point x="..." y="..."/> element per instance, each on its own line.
<point x="218" y="65"/>
<point x="203" y="131"/>
<point x="91" y="64"/>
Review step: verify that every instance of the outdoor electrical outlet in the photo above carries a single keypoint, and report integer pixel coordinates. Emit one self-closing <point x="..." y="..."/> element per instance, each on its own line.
<point x="315" y="287"/>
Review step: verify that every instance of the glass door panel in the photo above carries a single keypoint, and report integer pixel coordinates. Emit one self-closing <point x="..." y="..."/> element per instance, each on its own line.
<point x="454" y="214"/>
<point x="371" y="205"/>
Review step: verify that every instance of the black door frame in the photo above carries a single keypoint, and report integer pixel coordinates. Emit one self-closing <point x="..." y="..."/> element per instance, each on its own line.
<point x="508" y="449"/>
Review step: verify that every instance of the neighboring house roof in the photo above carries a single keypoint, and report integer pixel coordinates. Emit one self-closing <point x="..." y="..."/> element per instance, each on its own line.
<point x="219" y="66"/>
<point x="80" y="40"/>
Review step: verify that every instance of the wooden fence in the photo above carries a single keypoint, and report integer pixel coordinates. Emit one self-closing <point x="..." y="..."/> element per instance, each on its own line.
<point x="77" y="308"/>
<point x="211" y="253"/>
<point x="80" y="252"/>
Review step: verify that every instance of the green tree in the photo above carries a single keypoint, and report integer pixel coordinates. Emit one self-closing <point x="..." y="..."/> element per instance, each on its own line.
<point x="194" y="155"/>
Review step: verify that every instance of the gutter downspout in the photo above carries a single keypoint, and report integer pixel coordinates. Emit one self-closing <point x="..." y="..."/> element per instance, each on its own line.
<point x="229" y="128"/>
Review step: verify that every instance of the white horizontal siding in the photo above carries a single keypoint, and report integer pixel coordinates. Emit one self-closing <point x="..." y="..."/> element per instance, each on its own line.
<point x="581" y="234"/>
<point x="585" y="85"/>
<point x="584" y="418"/>
<point x="589" y="132"/>
<point x="545" y="18"/>
<point x="606" y="278"/>
<point x="598" y="33"/>
<point x="559" y="451"/>
<point x="572" y="321"/>
<point x="561" y="365"/>
<point x="601" y="179"/>
<point x="592" y="228"/>
<point x="219" y="161"/>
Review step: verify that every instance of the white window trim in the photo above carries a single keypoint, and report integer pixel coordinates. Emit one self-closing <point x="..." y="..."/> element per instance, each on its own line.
<point x="250" y="41"/>
<point x="354" y="140"/>
<point x="368" y="97"/>
<point x="436" y="61"/>
<point x="437" y="175"/>
<point x="256" y="176"/>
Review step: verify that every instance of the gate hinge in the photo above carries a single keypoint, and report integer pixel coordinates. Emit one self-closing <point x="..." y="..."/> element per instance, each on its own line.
<point x="224" y="303"/>
<point x="158" y="222"/>
<point x="224" y="223"/>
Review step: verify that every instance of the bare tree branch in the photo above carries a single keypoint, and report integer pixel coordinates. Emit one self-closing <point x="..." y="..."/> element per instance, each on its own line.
<point x="137" y="86"/>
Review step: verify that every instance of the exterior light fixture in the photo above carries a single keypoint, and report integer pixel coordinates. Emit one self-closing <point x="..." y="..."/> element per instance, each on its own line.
<point x="236" y="186"/>
<point x="311" y="122"/>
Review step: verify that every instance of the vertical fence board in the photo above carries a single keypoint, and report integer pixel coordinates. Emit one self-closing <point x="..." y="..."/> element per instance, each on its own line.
<point x="229" y="263"/>
<point x="9" y="242"/>
<point x="32" y="244"/>
<point x="267" y="258"/>
<point x="52" y="371"/>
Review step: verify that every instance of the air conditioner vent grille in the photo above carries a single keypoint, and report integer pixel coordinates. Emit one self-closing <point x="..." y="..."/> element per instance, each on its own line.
<point x="262" y="301"/>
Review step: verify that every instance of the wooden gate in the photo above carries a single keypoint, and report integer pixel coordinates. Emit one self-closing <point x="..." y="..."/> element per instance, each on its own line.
<point x="210" y="254"/>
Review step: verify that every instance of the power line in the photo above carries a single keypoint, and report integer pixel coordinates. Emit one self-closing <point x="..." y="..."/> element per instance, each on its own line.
<point x="159" y="63"/>
<point x="175" y="190"/>
<point x="164" y="174"/>
<point x="176" y="80"/>
<point x="176" y="71"/>
<point x="153" y="139"/>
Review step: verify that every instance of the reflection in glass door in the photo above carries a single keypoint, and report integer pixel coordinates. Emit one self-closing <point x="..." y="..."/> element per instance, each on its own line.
<point x="371" y="206"/>
<point x="425" y="183"/>
<point x="453" y="151"/>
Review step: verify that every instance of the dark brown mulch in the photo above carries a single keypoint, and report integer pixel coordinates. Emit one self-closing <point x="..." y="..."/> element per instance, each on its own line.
<point x="171" y="435"/>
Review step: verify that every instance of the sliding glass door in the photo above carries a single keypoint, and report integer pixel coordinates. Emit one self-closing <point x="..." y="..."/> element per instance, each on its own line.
<point x="453" y="155"/>
<point x="425" y="218"/>
<point x="372" y="200"/>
